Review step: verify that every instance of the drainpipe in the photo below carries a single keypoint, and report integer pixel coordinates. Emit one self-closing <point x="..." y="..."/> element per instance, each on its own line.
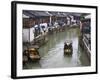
<point x="29" y="35"/>
<point x="50" y="20"/>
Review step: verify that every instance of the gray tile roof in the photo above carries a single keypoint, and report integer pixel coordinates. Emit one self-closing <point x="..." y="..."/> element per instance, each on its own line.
<point x="35" y="13"/>
<point x="27" y="13"/>
<point x="32" y="13"/>
<point x="58" y="14"/>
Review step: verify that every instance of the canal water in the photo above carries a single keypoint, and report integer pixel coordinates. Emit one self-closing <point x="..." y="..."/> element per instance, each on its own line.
<point x="52" y="54"/>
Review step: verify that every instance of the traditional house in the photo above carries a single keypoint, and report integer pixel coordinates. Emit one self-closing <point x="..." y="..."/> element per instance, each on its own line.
<point x="34" y="24"/>
<point x="85" y="39"/>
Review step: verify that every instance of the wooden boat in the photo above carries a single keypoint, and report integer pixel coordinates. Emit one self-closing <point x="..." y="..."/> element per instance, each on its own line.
<point x="33" y="54"/>
<point x="68" y="49"/>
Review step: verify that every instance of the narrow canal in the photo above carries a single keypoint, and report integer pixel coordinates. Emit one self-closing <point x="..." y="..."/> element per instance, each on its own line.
<point x="52" y="54"/>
